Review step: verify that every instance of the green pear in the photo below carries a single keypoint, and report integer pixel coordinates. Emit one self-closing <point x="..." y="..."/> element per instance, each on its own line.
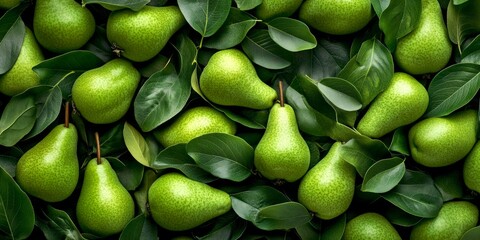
<point x="49" y="170"/>
<point x="62" y="25"/>
<point x="471" y="168"/>
<point x="336" y="17"/>
<point x="441" y="141"/>
<point x="453" y="220"/>
<point x="270" y="9"/>
<point x="282" y="153"/>
<point x="104" y="206"/>
<point x="140" y="35"/>
<point x="21" y="76"/>
<point x="230" y="79"/>
<point x="427" y="49"/>
<point x="104" y="94"/>
<point x="7" y="4"/>
<point x="178" y="203"/>
<point x="403" y="102"/>
<point x="327" y="189"/>
<point x="370" y="226"/>
<point x="193" y="123"/>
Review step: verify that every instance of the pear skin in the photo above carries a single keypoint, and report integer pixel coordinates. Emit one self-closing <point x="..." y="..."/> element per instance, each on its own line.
<point x="471" y="169"/>
<point x="370" y="225"/>
<point x="270" y="9"/>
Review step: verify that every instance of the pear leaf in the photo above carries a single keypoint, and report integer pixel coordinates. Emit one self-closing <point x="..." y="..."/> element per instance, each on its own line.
<point x="134" y="5"/>
<point x="140" y="227"/>
<point x="129" y="172"/>
<point x="383" y="175"/>
<point x="291" y="34"/>
<point x="57" y="224"/>
<point x="205" y="16"/>
<point x="111" y="141"/>
<point x="17" y="218"/>
<point x="262" y="50"/>
<point x="136" y="145"/>
<point x="141" y="194"/>
<point x="379" y="6"/>
<point x="363" y="153"/>
<point x="401" y="218"/>
<point x="471" y="53"/>
<point x="452" y="88"/>
<point x="371" y="70"/>
<point x="340" y="93"/>
<point x="18" y="118"/>
<point x="308" y="231"/>
<point x="245" y="5"/>
<point x="450" y="184"/>
<point x="334" y="228"/>
<point x="471" y="234"/>
<point x="458" y="2"/>
<point x="462" y="21"/>
<point x="12" y="32"/>
<point x="226" y="226"/>
<point x="223" y="155"/>
<point x="9" y="164"/>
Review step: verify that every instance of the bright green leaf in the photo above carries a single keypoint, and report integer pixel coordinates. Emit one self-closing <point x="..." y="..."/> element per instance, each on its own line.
<point x="363" y="153"/>
<point x="383" y="175"/>
<point x="247" y="4"/>
<point x="340" y="93"/>
<point x="136" y="145"/>
<point x="205" y="16"/>
<point x="291" y="34"/>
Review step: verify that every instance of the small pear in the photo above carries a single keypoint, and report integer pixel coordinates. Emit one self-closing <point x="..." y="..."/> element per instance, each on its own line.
<point x="193" y="123"/>
<point x="49" y="170"/>
<point x="230" y="79"/>
<point x="453" y="220"/>
<point x="426" y="49"/>
<point x="21" y="76"/>
<point x="178" y="203"/>
<point x="104" y="206"/>
<point x="140" y="35"/>
<point x="471" y="169"/>
<point x="404" y="101"/>
<point x="104" y="94"/>
<point x="441" y="141"/>
<point x="327" y="189"/>
<point x="282" y="153"/>
<point x="62" y="25"/>
<point x="337" y="17"/>
<point x="270" y="9"/>
<point x="370" y="226"/>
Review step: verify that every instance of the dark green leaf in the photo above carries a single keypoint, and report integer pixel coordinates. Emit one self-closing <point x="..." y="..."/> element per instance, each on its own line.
<point x="450" y="184"/>
<point x="401" y="218"/>
<point x="223" y="155"/>
<point x="228" y="226"/>
<point x="157" y="64"/>
<point x="341" y="93"/>
<point x="291" y="34"/>
<point x="462" y="21"/>
<point x="9" y="164"/>
<point x="471" y="53"/>
<point x="247" y="4"/>
<point x="18" y="118"/>
<point x="334" y="228"/>
<point x="452" y="88"/>
<point x="379" y="6"/>
<point x="140" y="227"/>
<point x="112" y="141"/>
<point x="57" y="224"/>
<point x="12" y="32"/>
<point x="282" y="216"/>
<point x="458" y="2"/>
<point x="400" y="141"/>
<point x="371" y="70"/>
<point x="243" y="120"/>
<point x="262" y="50"/>
<point x="130" y="172"/>
<point x="135" y="5"/>
<point x="205" y="16"/>
<point x="307" y="231"/>
<point x="363" y="153"/>
<point x="17" y="218"/>
<point x="472" y="234"/>
<point x="383" y="175"/>
<point x="141" y="194"/>
<point x="136" y="145"/>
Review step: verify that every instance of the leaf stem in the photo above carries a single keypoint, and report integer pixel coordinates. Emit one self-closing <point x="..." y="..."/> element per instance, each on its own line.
<point x="67" y="115"/>
<point x="97" y="141"/>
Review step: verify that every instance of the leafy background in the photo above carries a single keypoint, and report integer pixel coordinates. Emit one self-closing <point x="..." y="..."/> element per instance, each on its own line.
<point x="328" y="80"/>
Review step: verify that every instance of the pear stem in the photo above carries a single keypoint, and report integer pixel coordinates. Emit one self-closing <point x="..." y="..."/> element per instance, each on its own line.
<point x="280" y="89"/>
<point x="67" y="114"/>
<point x="97" y="141"/>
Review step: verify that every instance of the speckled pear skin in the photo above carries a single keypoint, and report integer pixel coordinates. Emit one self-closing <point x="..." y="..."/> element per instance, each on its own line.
<point x="453" y="220"/>
<point x="7" y="4"/>
<point x="426" y="49"/>
<point x="193" y="123"/>
<point x="62" y="25"/>
<point x="21" y="76"/>
<point x="270" y="9"/>
<point x="178" y="203"/>
<point x="103" y="95"/>
<point x="337" y="17"/>
<point x="441" y="141"/>
<point x="471" y="169"/>
<point x="49" y="170"/>
<point x="230" y="79"/>
<point x="370" y="226"/>
<point x="403" y="102"/>
<point x="282" y="153"/>
<point x="141" y="35"/>
<point x="327" y="189"/>
<point x="104" y="206"/>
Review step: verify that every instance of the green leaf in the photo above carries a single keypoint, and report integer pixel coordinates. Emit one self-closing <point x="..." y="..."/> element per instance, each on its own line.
<point x="57" y="224"/>
<point x="135" y="5"/>
<point x="223" y="155"/>
<point x="334" y="228"/>
<point x="9" y="164"/>
<point x="176" y="157"/>
<point x="471" y="53"/>
<point x="233" y="31"/>
<point x="262" y="50"/>
<point x="136" y="145"/>
<point x="12" y="32"/>
<point x="401" y="218"/>
<point x="341" y="93"/>
<point x="371" y="70"/>
<point x="471" y="234"/>
<point x="227" y="226"/>
<point x="363" y="153"/>
<point x="383" y="175"/>
<point x="450" y="184"/>
<point x="307" y="231"/>
<point x="141" y="194"/>
<point x="17" y="218"/>
<point x="416" y="194"/>
<point x="129" y="172"/>
<point x="399" y="19"/>
<point x="245" y="5"/>
<point x="452" y="88"/>
<point x="111" y="141"/>
<point x="18" y="118"/>
<point x="379" y="6"/>
<point x="400" y="141"/>
<point x="458" y="2"/>
<point x="291" y="34"/>
<point x="462" y="21"/>
<point x="205" y="16"/>
<point x="239" y="118"/>
<point x="140" y="227"/>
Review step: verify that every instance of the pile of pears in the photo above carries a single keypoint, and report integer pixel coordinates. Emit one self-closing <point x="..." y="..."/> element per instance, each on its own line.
<point x="229" y="86"/>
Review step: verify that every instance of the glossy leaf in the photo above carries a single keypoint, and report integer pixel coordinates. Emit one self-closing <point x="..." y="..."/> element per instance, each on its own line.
<point x="17" y="218"/>
<point x="383" y="175"/>
<point x="227" y="226"/>
<point x="17" y="119"/>
<point x="307" y="231"/>
<point x="401" y="218"/>
<point x="452" y="88"/>
<point x="341" y="93"/>
<point x="471" y="234"/>
<point x="379" y="6"/>
<point x="223" y="155"/>
<point x="12" y="32"/>
<point x="399" y="141"/>
<point x="262" y="50"/>
<point x="334" y="228"/>
<point x="291" y="34"/>
<point x="57" y="224"/>
<point x="129" y="172"/>
<point x="136" y="144"/>
<point x="363" y="153"/>
<point x="371" y="70"/>
<point x="462" y="21"/>
<point x="140" y="227"/>
<point x="205" y="16"/>
<point x="471" y="53"/>
<point x="247" y="4"/>
<point x="135" y="5"/>
<point x="111" y="141"/>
